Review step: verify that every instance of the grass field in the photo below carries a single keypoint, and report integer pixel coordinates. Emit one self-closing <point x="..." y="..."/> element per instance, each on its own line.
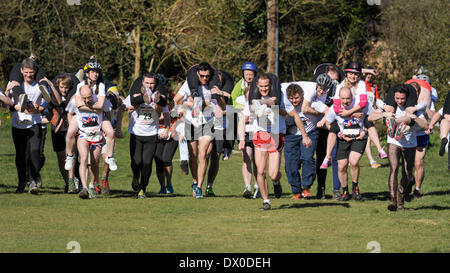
<point x="227" y="223"/>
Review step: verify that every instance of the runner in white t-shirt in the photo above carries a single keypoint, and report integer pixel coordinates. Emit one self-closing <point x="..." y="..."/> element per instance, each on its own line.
<point x="92" y="73"/>
<point x="400" y="145"/>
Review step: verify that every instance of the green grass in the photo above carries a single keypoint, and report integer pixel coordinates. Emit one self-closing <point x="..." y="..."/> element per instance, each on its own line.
<point x="227" y="223"/>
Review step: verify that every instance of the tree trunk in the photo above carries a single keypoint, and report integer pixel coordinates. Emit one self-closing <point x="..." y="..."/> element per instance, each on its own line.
<point x="136" y="34"/>
<point x="272" y="6"/>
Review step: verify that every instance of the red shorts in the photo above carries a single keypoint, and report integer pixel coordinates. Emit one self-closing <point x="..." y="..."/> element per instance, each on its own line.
<point x="266" y="141"/>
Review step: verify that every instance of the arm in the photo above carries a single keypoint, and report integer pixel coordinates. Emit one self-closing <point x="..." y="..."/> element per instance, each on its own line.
<point x="241" y="131"/>
<point x="307" y="109"/>
<point x="298" y="122"/>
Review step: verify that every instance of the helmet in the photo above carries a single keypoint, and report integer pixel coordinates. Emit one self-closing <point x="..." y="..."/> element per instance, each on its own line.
<point x="161" y="79"/>
<point x="423" y="77"/>
<point x="324" y="80"/>
<point x="92" y="65"/>
<point x="249" y="66"/>
<point x="353" y="67"/>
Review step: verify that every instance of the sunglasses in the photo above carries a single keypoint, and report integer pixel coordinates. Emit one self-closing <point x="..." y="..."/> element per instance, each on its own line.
<point x="203" y="76"/>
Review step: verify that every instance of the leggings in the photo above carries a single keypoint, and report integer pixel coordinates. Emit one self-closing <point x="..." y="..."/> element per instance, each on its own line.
<point x="165" y="150"/>
<point x="27" y="143"/>
<point x="407" y="155"/>
<point x="142" y="151"/>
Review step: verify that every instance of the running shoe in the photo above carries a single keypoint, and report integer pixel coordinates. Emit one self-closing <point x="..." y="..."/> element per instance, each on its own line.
<point x="33" y="189"/>
<point x="135" y="184"/>
<point x="326" y="163"/>
<point x="198" y="193"/>
<point x="194" y="187"/>
<point x="45" y="94"/>
<point x="169" y="188"/>
<point x="266" y="206"/>
<point x="356" y="194"/>
<point x="277" y="189"/>
<point x="444" y="142"/>
<point x="184" y="166"/>
<point x="209" y="191"/>
<point x="336" y="194"/>
<point x="401" y="131"/>
<point x="105" y="187"/>
<point x="391" y="127"/>
<point x="162" y="190"/>
<point x="247" y="194"/>
<point x="92" y="193"/>
<point x="382" y="154"/>
<point x="417" y="193"/>
<point x="321" y="193"/>
<point x="112" y="163"/>
<point x="84" y="193"/>
<point x="97" y="189"/>
<point x="69" y="162"/>
<point x="72" y="188"/>
<point x="306" y="193"/>
<point x="375" y="165"/>
<point x="256" y="193"/>
<point x="345" y="196"/>
<point x="141" y="195"/>
<point x="296" y="196"/>
<point x="23" y="102"/>
<point x="392" y="205"/>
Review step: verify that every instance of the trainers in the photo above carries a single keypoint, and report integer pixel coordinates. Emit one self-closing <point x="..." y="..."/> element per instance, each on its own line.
<point x="112" y="163"/>
<point x="77" y="184"/>
<point x="417" y="193"/>
<point x="135" y="184"/>
<point x="194" y="187"/>
<point x="325" y="163"/>
<point x="266" y="206"/>
<point x="444" y="142"/>
<point x="401" y="130"/>
<point x="296" y="196"/>
<point x="277" y="189"/>
<point x="336" y="194"/>
<point x="33" y="189"/>
<point x="209" y="191"/>
<point x="141" y="195"/>
<point x="382" y="154"/>
<point x="97" y="189"/>
<point x="84" y="194"/>
<point x="321" y="193"/>
<point x="45" y="94"/>
<point x="345" y="196"/>
<point x="184" y="165"/>
<point x="72" y="188"/>
<point x="392" y="205"/>
<point x="92" y="193"/>
<point x="391" y="127"/>
<point x="247" y="194"/>
<point x="162" y="190"/>
<point x="105" y="187"/>
<point x="169" y="188"/>
<point x="375" y="165"/>
<point x="198" y="193"/>
<point x="306" y="193"/>
<point x="69" y="162"/>
<point x="23" y="102"/>
<point x="356" y="194"/>
<point x="256" y="193"/>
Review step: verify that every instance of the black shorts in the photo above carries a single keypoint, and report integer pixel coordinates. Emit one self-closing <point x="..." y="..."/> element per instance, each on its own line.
<point x="59" y="141"/>
<point x="344" y="147"/>
<point x="192" y="133"/>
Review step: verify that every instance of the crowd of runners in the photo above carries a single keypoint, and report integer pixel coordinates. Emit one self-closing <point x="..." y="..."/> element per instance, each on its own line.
<point x="328" y="121"/>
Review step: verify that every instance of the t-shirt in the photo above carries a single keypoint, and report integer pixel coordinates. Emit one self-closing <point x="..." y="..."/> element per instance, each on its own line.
<point x="144" y="120"/>
<point x="349" y="125"/>
<point x="269" y="119"/>
<point x="408" y="140"/>
<point x="316" y="102"/>
<point x="22" y="120"/>
<point x="207" y="115"/>
<point x="359" y="90"/>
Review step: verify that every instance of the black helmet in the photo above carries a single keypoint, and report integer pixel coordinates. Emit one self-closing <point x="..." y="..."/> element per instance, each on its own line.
<point x="324" y="81"/>
<point x="353" y="67"/>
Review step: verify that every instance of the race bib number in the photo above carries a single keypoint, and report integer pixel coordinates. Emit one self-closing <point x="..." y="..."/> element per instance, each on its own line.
<point x="351" y="127"/>
<point x="146" y="115"/>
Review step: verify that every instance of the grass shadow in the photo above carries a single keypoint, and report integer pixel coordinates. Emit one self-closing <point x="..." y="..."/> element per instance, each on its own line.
<point x="433" y="207"/>
<point x="312" y="205"/>
<point x="380" y="196"/>
<point x="437" y="193"/>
